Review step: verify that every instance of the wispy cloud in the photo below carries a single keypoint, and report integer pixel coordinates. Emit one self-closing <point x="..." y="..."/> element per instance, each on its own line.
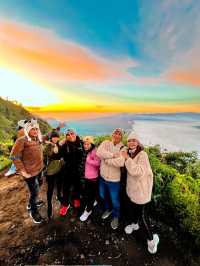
<point x="168" y="35"/>
<point x="50" y="57"/>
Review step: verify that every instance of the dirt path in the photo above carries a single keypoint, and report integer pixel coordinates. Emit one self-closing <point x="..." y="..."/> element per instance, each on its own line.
<point x="68" y="241"/>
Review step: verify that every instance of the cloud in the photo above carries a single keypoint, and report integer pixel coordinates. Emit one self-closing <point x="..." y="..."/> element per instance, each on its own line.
<point x="186" y="70"/>
<point x="41" y="52"/>
<point x="167" y="35"/>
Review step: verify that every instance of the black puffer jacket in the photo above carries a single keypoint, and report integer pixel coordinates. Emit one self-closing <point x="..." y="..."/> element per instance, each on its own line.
<point x="72" y="153"/>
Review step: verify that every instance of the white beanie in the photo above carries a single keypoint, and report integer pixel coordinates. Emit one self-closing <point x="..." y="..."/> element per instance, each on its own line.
<point x="133" y="135"/>
<point x="32" y="124"/>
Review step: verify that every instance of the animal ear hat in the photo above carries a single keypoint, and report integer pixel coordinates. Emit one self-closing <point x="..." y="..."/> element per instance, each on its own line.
<point x="32" y="124"/>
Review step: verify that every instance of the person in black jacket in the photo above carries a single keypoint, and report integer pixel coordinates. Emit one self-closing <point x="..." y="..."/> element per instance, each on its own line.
<point x="72" y="153"/>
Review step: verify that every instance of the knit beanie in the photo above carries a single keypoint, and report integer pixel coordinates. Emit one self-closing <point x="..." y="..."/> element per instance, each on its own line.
<point x="69" y="131"/>
<point x="32" y="124"/>
<point x="120" y="130"/>
<point x="88" y="139"/>
<point x="133" y="135"/>
<point x="54" y="134"/>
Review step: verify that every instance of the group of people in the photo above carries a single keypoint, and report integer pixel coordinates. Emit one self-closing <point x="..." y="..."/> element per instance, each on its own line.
<point x="121" y="176"/>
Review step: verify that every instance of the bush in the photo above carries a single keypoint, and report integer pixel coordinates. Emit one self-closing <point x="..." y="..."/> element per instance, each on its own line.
<point x="154" y="150"/>
<point x="194" y="170"/>
<point x="5" y="148"/>
<point x="163" y="174"/>
<point x="99" y="139"/>
<point x="180" y="160"/>
<point x="183" y="194"/>
<point x="4" y="163"/>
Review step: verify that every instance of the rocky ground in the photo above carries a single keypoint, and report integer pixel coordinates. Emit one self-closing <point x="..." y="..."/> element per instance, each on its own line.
<point x="67" y="241"/>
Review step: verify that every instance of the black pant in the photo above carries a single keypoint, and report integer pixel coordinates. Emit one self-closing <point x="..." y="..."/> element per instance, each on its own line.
<point x="89" y="193"/>
<point x="53" y="180"/>
<point x="71" y="181"/>
<point x="33" y="185"/>
<point x="137" y="214"/>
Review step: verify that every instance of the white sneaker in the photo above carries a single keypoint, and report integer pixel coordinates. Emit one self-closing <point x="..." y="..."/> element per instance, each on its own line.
<point x="11" y="171"/>
<point x="115" y="223"/>
<point x="95" y="203"/>
<point x="153" y="244"/>
<point x="85" y="215"/>
<point x="130" y="228"/>
<point x="106" y="214"/>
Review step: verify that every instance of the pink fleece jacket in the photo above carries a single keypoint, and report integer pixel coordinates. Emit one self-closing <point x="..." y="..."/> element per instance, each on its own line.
<point x="92" y="165"/>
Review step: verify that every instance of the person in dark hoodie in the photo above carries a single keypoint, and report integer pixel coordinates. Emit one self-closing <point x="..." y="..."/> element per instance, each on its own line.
<point x="91" y="174"/>
<point x="72" y="153"/>
<point x="53" y="169"/>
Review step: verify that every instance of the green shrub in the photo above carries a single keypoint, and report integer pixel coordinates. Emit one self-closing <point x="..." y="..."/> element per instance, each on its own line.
<point x="5" y="148"/>
<point x="4" y="162"/>
<point x="183" y="197"/>
<point x="99" y="139"/>
<point x="163" y="174"/>
<point x="154" y="150"/>
<point x="193" y="170"/>
<point x="180" y="160"/>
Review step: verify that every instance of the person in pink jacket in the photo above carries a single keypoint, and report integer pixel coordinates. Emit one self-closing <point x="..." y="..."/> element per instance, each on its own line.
<point x="92" y="165"/>
<point x="139" y="189"/>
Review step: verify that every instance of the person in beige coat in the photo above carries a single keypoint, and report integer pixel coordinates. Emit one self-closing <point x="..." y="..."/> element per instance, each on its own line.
<point x="109" y="182"/>
<point x="139" y="189"/>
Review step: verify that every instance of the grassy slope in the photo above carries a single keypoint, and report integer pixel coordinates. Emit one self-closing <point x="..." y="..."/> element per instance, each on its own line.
<point x="10" y="114"/>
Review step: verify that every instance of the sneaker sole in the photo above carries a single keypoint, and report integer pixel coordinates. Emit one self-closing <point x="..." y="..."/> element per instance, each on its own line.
<point x="130" y="232"/>
<point x="105" y="217"/>
<point x="86" y="218"/>
<point x="114" y="228"/>
<point x="35" y="222"/>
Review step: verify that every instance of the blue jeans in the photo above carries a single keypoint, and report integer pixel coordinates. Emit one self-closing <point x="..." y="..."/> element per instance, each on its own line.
<point x="33" y="185"/>
<point x="109" y="192"/>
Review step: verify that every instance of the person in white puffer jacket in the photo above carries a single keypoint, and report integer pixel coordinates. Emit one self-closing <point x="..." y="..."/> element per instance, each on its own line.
<point x="139" y="189"/>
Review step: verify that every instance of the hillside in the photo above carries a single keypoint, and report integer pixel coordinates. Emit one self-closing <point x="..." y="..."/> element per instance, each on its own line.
<point x="10" y="114"/>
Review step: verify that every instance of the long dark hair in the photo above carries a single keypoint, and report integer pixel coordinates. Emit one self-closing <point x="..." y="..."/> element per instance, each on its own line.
<point x="139" y="148"/>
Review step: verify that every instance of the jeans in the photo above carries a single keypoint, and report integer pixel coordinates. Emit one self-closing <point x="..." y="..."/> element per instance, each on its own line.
<point x="33" y="185"/>
<point x="110" y="193"/>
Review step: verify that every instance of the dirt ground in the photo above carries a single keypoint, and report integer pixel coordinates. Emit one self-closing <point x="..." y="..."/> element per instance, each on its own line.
<point x="67" y="241"/>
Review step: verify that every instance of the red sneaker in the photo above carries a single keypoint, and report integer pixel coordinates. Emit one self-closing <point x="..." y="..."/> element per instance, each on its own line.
<point x="77" y="203"/>
<point x="63" y="210"/>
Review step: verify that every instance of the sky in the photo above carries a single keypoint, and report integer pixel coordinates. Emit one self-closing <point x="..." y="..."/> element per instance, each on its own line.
<point x="101" y="56"/>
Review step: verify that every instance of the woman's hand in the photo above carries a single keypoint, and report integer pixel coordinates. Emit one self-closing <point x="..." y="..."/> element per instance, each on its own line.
<point x="124" y="154"/>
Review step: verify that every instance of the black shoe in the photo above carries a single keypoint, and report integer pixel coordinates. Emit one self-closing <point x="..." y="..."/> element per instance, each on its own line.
<point x="37" y="219"/>
<point x="49" y="212"/>
<point x="39" y="203"/>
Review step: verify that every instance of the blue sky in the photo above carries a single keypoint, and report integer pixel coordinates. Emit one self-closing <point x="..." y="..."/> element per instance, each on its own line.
<point x="137" y="52"/>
